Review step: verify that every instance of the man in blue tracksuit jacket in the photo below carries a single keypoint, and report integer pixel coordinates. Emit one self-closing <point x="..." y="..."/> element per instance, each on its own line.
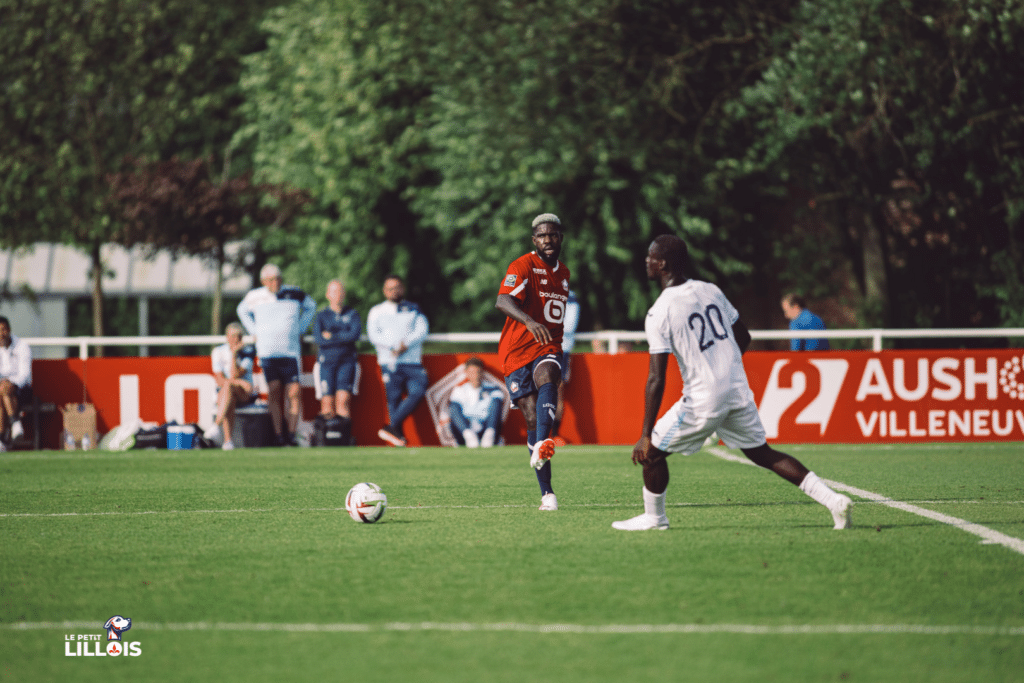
<point x="336" y="330"/>
<point x="397" y="328"/>
<point x="278" y="315"/>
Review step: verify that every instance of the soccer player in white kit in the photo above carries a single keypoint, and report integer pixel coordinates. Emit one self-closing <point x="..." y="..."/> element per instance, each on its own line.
<point x="693" y="321"/>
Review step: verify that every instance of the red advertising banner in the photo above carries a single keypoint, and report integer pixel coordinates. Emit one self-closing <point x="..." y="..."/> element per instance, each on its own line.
<point x="892" y="396"/>
<point x="830" y="397"/>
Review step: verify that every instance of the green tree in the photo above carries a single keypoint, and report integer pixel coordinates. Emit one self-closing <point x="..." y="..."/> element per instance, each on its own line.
<point x="177" y="205"/>
<point x="84" y="83"/>
<point x="430" y="134"/>
<point x="901" y="122"/>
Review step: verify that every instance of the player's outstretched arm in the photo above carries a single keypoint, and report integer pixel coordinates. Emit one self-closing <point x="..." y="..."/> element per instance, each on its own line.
<point x="509" y="305"/>
<point x="653" y="394"/>
<point x="741" y="335"/>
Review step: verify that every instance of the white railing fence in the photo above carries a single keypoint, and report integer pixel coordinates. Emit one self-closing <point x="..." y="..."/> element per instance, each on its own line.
<point x="613" y="338"/>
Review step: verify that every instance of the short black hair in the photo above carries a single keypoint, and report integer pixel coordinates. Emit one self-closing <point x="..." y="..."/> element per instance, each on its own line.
<point x="675" y="254"/>
<point x="5" y="321"/>
<point x="475" y="362"/>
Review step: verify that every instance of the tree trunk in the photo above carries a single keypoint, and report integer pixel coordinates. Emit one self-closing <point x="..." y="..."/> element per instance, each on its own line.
<point x="218" y="291"/>
<point x="875" y="280"/>
<point x="97" y="294"/>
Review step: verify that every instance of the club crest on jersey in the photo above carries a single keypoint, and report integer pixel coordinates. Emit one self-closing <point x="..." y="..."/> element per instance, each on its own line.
<point x="510" y="280"/>
<point x="514" y="387"/>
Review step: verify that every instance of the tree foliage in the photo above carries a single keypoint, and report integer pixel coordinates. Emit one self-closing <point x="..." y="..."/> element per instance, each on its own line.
<point x="903" y="121"/>
<point x="176" y="205"/>
<point x="857" y="150"/>
<point x="432" y="133"/>
<point x="83" y="83"/>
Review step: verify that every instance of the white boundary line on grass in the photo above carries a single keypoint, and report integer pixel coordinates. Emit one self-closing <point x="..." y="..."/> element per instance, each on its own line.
<point x="988" y="536"/>
<point x="617" y="629"/>
<point x="131" y="513"/>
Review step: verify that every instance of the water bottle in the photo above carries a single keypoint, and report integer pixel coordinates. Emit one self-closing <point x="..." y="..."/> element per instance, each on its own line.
<point x="86" y="443"/>
<point x="69" y="442"/>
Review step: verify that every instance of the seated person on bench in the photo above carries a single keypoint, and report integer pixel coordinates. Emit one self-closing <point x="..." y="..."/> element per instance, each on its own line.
<point x="475" y="409"/>
<point x="232" y="369"/>
<point x="15" y="382"/>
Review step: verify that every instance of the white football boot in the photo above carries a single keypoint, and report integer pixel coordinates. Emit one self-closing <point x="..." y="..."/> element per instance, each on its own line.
<point x="542" y="452"/>
<point x="644" y="522"/>
<point x="841" y="513"/>
<point x="548" y="502"/>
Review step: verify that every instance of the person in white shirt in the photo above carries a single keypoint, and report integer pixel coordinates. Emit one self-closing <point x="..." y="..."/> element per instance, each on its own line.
<point x="397" y="328"/>
<point x="232" y="364"/>
<point x="278" y="315"/>
<point x="15" y="382"/>
<point x="475" y="408"/>
<point x="570" y="321"/>
<point x="693" y="321"/>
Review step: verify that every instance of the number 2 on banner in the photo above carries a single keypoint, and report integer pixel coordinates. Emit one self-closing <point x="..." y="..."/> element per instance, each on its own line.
<point x="706" y="323"/>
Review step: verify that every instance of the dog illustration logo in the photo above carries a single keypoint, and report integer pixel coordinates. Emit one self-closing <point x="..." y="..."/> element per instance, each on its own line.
<point x="117" y="625"/>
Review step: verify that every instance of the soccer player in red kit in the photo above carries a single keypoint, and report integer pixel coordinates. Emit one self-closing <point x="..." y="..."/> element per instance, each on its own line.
<point x="533" y="296"/>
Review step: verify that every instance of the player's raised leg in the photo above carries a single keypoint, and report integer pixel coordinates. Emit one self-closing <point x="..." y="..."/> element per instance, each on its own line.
<point x="793" y="471"/>
<point x="547" y="375"/>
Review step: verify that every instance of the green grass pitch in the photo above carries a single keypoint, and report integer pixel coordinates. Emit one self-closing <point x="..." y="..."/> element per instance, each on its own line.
<point x="244" y="566"/>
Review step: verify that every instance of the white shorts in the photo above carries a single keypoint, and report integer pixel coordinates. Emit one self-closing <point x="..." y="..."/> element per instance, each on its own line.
<point x="680" y="431"/>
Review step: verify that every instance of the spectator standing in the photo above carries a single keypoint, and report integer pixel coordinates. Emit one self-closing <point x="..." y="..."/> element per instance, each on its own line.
<point x="397" y="328"/>
<point x="475" y="408"/>
<point x="15" y="382"/>
<point x="336" y="330"/>
<point x="277" y="315"/>
<point x="794" y="307"/>
<point x="232" y="364"/>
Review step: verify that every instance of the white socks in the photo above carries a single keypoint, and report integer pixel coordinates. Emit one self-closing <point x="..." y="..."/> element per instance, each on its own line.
<point x="814" y="487"/>
<point x="838" y="504"/>
<point x="654" y="503"/>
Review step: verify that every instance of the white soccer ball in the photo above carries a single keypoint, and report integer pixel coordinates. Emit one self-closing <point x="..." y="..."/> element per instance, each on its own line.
<point x="366" y="503"/>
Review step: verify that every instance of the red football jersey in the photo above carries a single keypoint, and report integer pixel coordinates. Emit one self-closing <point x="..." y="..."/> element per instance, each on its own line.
<point x="542" y="292"/>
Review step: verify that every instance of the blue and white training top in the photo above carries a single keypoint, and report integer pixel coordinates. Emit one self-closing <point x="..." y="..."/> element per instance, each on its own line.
<point x="336" y="334"/>
<point x="476" y="401"/>
<point x="389" y="324"/>
<point x="220" y="360"/>
<point x="277" y="320"/>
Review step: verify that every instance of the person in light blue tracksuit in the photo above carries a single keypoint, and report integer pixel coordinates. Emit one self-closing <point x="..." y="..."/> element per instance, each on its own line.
<point x="278" y="315"/>
<point x="397" y="328"/>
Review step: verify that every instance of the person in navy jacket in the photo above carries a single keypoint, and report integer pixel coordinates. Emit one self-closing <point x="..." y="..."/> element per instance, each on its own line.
<point x="336" y="330"/>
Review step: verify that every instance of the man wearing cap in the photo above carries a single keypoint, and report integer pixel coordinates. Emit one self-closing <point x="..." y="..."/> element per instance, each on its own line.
<point x="278" y="315"/>
<point x="534" y="295"/>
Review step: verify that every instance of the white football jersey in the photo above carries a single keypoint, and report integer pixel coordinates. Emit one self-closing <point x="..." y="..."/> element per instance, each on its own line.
<point x="693" y="321"/>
